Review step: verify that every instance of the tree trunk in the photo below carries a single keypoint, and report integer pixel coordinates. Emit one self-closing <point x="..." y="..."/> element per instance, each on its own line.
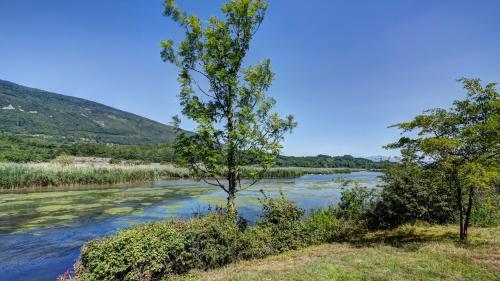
<point x="231" y="163"/>
<point x="469" y="211"/>
<point x="460" y="207"/>
<point x="231" y="196"/>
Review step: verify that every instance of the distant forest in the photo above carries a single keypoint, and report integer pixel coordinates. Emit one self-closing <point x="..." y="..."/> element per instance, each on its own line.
<point x="23" y="149"/>
<point x="325" y="161"/>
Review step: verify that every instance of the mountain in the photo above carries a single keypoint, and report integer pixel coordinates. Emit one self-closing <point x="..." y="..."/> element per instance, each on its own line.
<point x="30" y="111"/>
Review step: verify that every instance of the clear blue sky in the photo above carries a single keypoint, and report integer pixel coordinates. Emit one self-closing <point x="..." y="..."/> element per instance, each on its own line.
<point x="345" y="69"/>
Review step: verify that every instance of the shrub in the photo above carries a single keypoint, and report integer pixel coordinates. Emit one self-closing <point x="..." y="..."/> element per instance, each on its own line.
<point x="355" y="203"/>
<point x="211" y="241"/>
<point x="486" y="213"/>
<point x="323" y="225"/>
<point x="283" y="218"/>
<point x="256" y="242"/>
<point x="160" y="249"/>
<point x="412" y="193"/>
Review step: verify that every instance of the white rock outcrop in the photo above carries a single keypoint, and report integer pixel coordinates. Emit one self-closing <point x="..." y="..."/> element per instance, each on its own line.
<point x="9" y="107"/>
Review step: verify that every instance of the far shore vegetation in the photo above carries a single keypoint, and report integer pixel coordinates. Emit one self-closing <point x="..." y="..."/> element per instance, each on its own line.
<point x="64" y="173"/>
<point x="36" y="149"/>
<point x="31" y="162"/>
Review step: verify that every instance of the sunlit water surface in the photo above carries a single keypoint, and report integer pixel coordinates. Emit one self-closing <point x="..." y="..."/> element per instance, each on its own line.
<point x="41" y="233"/>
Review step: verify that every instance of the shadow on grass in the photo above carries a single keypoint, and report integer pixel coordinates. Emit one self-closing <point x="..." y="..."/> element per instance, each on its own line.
<point x="412" y="237"/>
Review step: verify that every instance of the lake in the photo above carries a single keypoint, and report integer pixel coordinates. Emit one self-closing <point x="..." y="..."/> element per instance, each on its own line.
<point x="41" y="233"/>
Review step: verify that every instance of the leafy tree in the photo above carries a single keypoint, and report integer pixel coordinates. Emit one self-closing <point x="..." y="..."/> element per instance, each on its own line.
<point x="411" y="193"/>
<point x="236" y="125"/>
<point x="462" y="143"/>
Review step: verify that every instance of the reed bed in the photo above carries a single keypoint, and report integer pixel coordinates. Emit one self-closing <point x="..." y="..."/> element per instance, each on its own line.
<point x="294" y="172"/>
<point x="21" y="176"/>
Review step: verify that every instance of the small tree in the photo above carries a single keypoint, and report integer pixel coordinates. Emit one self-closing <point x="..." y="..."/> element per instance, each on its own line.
<point x="236" y="126"/>
<point x="462" y="142"/>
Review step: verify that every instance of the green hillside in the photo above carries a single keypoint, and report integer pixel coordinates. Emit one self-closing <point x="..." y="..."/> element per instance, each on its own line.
<point x="30" y="111"/>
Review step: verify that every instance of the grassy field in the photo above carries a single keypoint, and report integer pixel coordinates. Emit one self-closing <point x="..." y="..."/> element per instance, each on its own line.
<point x="21" y="176"/>
<point x="407" y="253"/>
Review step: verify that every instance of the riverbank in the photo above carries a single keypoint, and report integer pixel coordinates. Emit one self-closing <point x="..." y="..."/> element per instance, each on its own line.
<point x="46" y="175"/>
<point x="407" y="253"/>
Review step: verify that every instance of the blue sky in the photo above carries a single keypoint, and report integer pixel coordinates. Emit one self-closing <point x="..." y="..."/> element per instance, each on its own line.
<point x="345" y="69"/>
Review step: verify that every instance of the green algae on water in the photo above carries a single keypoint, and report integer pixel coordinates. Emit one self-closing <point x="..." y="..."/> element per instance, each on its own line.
<point x="119" y="211"/>
<point x="171" y="208"/>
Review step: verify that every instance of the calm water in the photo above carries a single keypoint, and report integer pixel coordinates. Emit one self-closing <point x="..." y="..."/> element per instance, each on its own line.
<point x="41" y="233"/>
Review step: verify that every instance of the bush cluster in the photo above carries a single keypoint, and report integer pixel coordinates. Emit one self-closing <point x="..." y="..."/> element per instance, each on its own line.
<point x="162" y="249"/>
<point x="412" y="193"/>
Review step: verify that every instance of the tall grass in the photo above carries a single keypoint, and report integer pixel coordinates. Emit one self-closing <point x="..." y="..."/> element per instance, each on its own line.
<point x="19" y="176"/>
<point x="294" y="172"/>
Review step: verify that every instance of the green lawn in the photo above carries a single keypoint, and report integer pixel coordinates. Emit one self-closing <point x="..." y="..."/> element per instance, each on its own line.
<point x="407" y="253"/>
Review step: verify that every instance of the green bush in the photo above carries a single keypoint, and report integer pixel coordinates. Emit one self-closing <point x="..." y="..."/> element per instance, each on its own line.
<point x="343" y="222"/>
<point x="486" y="213"/>
<point x="412" y="193"/>
<point x="256" y="242"/>
<point x="355" y="203"/>
<point x="161" y="249"/>
<point x="323" y="225"/>
<point x="283" y="217"/>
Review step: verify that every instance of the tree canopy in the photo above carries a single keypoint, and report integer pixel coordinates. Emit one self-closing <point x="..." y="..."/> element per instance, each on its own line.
<point x="227" y="100"/>
<point x="463" y="142"/>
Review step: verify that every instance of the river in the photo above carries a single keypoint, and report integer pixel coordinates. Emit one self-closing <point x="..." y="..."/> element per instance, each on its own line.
<point x="41" y="233"/>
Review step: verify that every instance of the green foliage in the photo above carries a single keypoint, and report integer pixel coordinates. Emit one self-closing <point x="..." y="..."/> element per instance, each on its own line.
<point x="412" y="193"/>
<point x="29" y="149"/>
<point x="160" y="249"/>
<point x="256" y="242"/>
<point x="355" y="203"/>
<point x="323" y="225"/>
<point x="462" y="143"/>
<point x="325" y="161"/>
<point x="290" y="172"/>
<point x="37" y="112"/>
<point x="23" y="149"/>
<point x="164" y="249"/>
<point x="283" y="218"/>
<point x="236" y="125"/>
<point x="486" y="212"/>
